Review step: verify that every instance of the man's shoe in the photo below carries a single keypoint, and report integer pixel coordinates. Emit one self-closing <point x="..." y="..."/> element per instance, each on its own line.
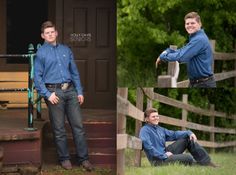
<point x="87" y="165"/>
<point x="211" y="164"/>
<point x="66" y="164"/>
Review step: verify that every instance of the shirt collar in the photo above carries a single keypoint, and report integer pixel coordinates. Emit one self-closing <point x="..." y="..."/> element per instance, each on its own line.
<point x="196" y="33"/>
<point x="50" y="45"/>
<point x="151" y="125"/>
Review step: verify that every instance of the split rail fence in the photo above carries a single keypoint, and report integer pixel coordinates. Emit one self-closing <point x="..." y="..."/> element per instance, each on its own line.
<point x="126" y="109"/>
<point x="170" y="80"/>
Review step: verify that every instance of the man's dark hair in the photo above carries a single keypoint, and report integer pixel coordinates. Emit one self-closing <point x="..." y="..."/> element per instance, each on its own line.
<point x="47" y="24"/>
<point x="149" y="111"/>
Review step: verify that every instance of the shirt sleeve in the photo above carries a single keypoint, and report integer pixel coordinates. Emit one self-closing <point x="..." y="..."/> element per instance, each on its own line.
<point x="148" y="146"/>
<point x="184" y="54"/>
<point x="175" y="135"/>
<point x="38" y="77"/>
<point x="75" y="74"/>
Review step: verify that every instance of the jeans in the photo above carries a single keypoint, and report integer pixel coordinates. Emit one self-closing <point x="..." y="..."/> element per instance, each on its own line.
<point x="68" y="106"/>
<point x="211" y="83"/>
<point x="198" y="153"/>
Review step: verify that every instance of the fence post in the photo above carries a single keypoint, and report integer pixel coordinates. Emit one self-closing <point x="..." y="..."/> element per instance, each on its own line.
<point x="235" y="66"/>
<point x="212" y="124"/>
<point x="213" y="46"/>
<point x="149" y="101"/>
<point x="121" y="129"/>
<point x="184" y="112"/>
<point x="138" y="124"/>
<point x="170" y="80"/>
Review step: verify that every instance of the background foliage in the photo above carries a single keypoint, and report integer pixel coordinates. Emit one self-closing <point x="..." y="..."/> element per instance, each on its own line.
<point x="147" y="27"/>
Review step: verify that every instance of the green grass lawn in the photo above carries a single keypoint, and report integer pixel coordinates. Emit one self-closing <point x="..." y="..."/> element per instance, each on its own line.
<point x="226" y="161"/>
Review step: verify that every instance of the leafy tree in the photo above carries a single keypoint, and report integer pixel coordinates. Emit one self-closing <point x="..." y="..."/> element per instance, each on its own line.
<point x="146" y="27"/>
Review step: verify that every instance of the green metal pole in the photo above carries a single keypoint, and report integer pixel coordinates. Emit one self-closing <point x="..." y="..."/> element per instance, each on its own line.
<point x="30" y="89"/>
<point x="39" y="102"/>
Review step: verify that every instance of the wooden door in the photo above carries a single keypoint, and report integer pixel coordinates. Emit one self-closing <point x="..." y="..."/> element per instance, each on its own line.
<point x="89" y="28"/>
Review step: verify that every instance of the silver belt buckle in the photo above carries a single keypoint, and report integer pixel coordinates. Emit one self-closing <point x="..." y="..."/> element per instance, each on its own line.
<point x="64" y="86"/>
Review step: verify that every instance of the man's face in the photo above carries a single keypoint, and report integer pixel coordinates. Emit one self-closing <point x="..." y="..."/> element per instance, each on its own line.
<point x="153" y="118"/>
<point x="49" y="35"/>
<point x="192" y="26"/>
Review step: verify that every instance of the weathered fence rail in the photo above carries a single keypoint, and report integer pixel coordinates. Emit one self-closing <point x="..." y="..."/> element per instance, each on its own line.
<point x="126" y="109"/>
<point x="171" y="79"/>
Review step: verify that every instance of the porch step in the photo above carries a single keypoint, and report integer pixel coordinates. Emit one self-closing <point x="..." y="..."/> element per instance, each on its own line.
<point x="101" y="140"/>
<point x="20" y="146"/>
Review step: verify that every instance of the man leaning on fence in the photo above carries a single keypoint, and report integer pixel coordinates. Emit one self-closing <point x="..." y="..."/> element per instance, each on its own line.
<point x="154" y="138"/>
<point x="197" y="54"/>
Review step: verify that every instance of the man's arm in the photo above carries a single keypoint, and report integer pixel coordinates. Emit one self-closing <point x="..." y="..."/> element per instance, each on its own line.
<point x="175" y="135"/>
<point x="38" y="77"/>
<point x="185" y="53"/>
<point x="75" y="75"/>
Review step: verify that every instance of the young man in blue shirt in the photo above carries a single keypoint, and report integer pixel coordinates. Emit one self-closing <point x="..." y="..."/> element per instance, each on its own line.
<point x="154" y="140"/>
<point x="197" y="54"/>
<point x="57" y="79"/>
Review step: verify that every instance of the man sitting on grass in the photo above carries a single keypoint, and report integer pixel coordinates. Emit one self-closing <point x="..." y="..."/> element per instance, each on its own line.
<point x="154" y="140"/>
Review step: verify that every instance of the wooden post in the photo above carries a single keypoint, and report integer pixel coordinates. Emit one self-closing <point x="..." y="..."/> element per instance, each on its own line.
<point x="235" y="66"/>
<point x="212" y="124"/>
<point x="138" y="125"/>
<point x="213" y="46"/>
<point x="184" y="112"/>
<point x="149" y="101"/>
<point x="170" y="80"/>
<point x="121" y="129"/>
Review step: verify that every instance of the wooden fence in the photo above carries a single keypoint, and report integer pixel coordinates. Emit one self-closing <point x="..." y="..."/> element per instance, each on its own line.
<point x="126" y="109"/>
<point x="170" y="80"/>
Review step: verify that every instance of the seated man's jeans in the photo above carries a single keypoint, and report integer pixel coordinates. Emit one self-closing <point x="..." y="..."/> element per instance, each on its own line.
<point x="198" y="153"/>
<point x="68" y="106"/>
<point x="207" y="84"/>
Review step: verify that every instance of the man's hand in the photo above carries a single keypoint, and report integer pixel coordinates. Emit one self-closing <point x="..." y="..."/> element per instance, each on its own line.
<point x="169" y="154"/>
<point x="193" y="137"/>
<point x="81" y="99"/>
<point x="158" y="61"/>
<point x="53" y="98"/>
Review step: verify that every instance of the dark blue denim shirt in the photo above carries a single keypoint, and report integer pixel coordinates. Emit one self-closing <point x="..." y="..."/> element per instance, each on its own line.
<point x="197" y="54"/>
<point x="154" y="138"/>
<point x="55" y="64"/>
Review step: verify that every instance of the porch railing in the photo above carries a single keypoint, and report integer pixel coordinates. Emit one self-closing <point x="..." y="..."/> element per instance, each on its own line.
<point x="30" y="90"/>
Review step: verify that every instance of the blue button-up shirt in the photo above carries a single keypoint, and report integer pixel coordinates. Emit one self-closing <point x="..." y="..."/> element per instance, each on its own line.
<point x="197" y="54"/>
<point x="55" y="64"/>
<point x="154" y="139"/>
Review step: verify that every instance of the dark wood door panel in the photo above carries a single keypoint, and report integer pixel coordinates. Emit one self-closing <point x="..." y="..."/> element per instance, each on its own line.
<point x="90" y="31"/>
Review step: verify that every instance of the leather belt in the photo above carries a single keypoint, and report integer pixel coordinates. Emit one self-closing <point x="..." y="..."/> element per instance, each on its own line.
<point x="200" y="80"/>
<point x="62" y="86"/>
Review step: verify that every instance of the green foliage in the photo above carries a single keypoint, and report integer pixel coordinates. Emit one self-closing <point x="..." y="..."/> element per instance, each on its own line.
<point x="146" y="27"/>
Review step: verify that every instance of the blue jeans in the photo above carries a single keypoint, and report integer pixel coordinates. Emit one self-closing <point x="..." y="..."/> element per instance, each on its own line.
<point x="68" y="106"/>
<point x="198" y="153"/>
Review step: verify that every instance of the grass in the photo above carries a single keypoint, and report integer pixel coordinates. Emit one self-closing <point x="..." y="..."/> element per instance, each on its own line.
<point x="226" y="161"/>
